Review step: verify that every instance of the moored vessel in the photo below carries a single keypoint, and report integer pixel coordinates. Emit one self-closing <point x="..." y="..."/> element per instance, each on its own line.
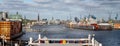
<point x="89" y="24"/>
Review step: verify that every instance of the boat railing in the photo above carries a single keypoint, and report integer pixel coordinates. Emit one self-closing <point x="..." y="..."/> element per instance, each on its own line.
<point x="90" y="41"/>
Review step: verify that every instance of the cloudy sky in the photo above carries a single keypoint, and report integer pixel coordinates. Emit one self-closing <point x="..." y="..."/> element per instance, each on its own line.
<point x="62" y="9"/>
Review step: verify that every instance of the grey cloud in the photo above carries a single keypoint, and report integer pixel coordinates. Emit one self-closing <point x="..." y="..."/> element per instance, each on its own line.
<point x="110" y="3"/>
<point x="52" y="5"/>
<point x="113" y="0"/>
<point x="106" y="0"/>
<point x="76" y="6"/>
<point x="14" y="5"/>
<point x="43" y="1"/>
<point x="12" y="1"/>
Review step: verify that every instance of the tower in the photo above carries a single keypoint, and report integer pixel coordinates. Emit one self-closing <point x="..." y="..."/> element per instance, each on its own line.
<point x="38" y="18"/>
<point x="116" y="16"/>
<point x="17" y="13"/>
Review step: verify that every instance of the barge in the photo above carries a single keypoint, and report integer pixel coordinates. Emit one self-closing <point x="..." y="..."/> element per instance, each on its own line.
<point x="100" y="26"/>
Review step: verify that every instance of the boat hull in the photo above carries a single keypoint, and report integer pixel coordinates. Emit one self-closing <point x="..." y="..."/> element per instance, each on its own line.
<point x="90" y="27"/>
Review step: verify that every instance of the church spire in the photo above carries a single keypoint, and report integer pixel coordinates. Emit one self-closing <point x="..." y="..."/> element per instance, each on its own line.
<point x="38" y="18"/>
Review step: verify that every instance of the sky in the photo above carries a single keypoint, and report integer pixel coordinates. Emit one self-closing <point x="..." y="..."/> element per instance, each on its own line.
<point x="62" y="9"/>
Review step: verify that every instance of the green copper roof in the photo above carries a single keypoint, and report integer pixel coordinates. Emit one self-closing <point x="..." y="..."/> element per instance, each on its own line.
<point x="16" y="16"/>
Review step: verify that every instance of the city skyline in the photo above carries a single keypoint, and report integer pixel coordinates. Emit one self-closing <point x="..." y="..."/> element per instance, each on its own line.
<point x="62" y="9"/>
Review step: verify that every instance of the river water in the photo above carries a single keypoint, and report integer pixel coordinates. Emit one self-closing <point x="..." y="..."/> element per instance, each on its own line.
<point x="106" y="37"/>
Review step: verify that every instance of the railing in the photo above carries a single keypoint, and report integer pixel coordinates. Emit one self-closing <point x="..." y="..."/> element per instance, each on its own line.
<point x="90" y="41"/>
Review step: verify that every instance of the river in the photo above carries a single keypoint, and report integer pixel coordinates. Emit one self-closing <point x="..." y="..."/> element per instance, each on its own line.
<point x="106" y="37"/>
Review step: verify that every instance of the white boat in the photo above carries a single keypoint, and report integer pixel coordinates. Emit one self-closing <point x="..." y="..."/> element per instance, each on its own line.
<point x="89" y="41"/>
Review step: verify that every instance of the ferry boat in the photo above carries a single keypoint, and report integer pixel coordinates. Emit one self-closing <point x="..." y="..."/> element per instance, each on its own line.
<point x="90" y="41"/>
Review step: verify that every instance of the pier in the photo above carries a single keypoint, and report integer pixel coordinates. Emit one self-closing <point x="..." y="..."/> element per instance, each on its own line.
<point x="90" y="41"/>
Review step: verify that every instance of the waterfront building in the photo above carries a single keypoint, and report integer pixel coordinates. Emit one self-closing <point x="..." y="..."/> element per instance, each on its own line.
<point x="11" y="27"/>
<point x="16" y="17"/>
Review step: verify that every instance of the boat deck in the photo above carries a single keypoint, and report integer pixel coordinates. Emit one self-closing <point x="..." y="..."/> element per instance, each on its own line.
<point x="90" y="41"/>
<point x="71" y="44"/>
